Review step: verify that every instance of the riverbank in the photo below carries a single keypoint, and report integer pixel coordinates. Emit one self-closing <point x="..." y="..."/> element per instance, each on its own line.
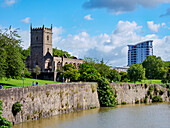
<point x="122" y="116"/>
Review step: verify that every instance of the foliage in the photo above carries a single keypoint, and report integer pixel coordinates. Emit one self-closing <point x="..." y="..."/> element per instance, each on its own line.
<point x="166" y="76"/>
<point x="16" y="107"/>
<point x="37" y="70"/>
<point x="168" y="93"/>
<point x="136" y="72"/>
<point x="157" y="99"/>
<point x="61" y="53"/>
<point x="105" y="93"/>
<point x="11" y="62"/>
<point x="154" y="66"/>
<point x="3" y="122"/>
<point x="103" y="69"/>
<point x="88" y="72"/>
<point x="114" y="75"/>
<point x="124" y="76"/>
<point x="72" y="74"/>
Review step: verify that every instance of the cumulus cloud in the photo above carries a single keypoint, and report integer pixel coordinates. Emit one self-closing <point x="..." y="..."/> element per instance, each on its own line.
<point x="113" y="47"/>
<point x="88" y="17"/>
<point x="26" y="20"/>
<point x="167" y="13"/>
<point x="120" y="6"/>
<point x="152" y="26"/>
<point x="9" y="2"/>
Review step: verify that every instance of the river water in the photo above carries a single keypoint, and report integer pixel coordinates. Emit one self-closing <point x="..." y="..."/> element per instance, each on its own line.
<point x="124" y="116"/>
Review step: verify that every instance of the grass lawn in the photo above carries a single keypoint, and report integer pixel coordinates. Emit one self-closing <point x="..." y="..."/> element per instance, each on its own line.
<point x="147" y="81"/>
<point x="27" y="82"/>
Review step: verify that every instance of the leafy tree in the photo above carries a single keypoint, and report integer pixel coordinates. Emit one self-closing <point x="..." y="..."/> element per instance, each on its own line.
<point x="136" y="72"/>
<point x="105" y="93"/>
<point x="88" y="72"/>
<point x="154" y="67"/>
<point x="103" y="69"/>
<point x="124" y="76"/>
<point x="4" y="123"/>
<point x="166" y="76"/>
<point x="70" y="72"/>
<point x="37" y="70"/>
<point x="61" y="53"/>
<point x="114" y="75"/>
<point x="11" y="59"/>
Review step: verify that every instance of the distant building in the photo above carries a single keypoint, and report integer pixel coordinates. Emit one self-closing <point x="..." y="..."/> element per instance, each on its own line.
<point x="121" y="69"/>
<point x="137" y="53"/>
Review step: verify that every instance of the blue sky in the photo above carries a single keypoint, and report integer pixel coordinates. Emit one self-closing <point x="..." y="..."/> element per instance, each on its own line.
<point x="93" y="28"/>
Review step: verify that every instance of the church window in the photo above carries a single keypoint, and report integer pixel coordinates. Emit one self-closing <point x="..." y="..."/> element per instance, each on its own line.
<point x="47" y="37"/>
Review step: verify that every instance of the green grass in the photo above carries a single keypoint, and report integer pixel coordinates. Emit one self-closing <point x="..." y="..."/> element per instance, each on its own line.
<point x="145" y="81"/>
<point x="27" y="82"/>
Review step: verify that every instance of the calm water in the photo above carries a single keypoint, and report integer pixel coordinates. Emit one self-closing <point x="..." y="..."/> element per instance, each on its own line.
<point x="128" y="116"/>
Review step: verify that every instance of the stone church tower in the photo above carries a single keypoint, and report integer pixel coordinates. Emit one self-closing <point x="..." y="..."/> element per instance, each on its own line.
<point x="41" y="44"/>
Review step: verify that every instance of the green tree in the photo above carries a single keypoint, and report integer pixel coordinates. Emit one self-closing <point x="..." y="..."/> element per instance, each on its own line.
<point x="61" y="53"/>
<point x="70" y="72"/>
<point x="136" y="72"/>
<point x="37" y="70"/>
<point x="105" y="93"/>
<point x="11" y="62"/>
<point x="88" y="72"/>
<point x="114" y="75"/>
<point x="103" y="69"/>
<point x="124" y="76"/>
<point x="166" y="76"/>
<point x="4" y="123"/>
<point x="154" y="67"/>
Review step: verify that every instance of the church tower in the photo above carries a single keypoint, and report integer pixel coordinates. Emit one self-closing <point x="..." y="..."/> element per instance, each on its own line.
<point x="41" y="44"/>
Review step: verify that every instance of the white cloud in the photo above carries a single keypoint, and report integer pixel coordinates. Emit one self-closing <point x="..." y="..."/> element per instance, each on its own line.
<point x="152" y="26"/>
<point x="26" y="20"/>
<point x="88" y="17"/>
<point x="9" y="2"/>
<point x="113" y="47"/>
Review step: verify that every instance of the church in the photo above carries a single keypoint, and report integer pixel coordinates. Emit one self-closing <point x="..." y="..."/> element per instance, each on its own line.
<point x="41" y="54"/>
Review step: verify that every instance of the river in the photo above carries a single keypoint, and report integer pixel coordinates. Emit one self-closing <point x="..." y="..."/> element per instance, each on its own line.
<point x="123" y="116"/>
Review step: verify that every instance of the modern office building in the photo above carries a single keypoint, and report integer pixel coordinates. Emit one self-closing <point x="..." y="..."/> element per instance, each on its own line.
<point x="137" y="53"/>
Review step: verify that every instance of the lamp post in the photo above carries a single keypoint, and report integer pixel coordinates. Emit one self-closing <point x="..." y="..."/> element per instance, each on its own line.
<point x="23" y="76"/>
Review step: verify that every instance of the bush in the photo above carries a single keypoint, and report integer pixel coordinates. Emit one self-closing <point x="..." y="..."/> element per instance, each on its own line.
<point x="146" y="99"/>
<point x="16" y="108"/>
<point x="123" y="102"/>
<point x="105" y="93"/>
<point x="168" y="93"/>
<point x="157" y="99"/>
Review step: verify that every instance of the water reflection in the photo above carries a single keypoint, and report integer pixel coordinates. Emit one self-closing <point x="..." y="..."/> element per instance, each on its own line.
<point x="126" y="116"/>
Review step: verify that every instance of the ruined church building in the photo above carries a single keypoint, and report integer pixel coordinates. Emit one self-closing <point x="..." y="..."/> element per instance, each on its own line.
<point x="41" y="54"/>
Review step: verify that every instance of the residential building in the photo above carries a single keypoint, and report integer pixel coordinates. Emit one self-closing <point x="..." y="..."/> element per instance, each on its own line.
<point x="138" y="53"/>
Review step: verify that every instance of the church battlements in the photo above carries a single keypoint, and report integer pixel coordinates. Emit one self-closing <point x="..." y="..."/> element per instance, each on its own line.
<point x="41" y="28"/>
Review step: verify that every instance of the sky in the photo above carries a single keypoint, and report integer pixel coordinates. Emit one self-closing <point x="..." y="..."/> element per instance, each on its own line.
<point x="93" y="28"/>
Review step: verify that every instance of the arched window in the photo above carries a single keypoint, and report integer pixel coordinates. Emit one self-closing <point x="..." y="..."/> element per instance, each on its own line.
<point x="37" y="38"/>
<point x="48" y="37"/>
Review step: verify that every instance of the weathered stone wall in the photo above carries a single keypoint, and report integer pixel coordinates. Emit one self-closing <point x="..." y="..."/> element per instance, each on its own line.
<point x="48" y="100"/>
<point x="129" y="93"/>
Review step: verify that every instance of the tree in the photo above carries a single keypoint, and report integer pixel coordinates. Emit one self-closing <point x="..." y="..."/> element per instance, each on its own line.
<point x="88" y="72"/>
<point x="70" y="72"/>
<point x="103" y="69"/>
<point x="114" y="75"/>
<point x="37" y="70"/>
<point x="154" y="67"/>
<point x="124" y="76"/>
<point x="61" y="53"/>
<point x="11" y="63"/>
<point x="4" y="123"/>
<point x="136" y="72"/>
<point x="105" y="93"/>
<point x="166" y="76"/>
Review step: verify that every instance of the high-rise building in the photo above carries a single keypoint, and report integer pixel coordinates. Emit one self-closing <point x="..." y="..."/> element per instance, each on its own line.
<point x="137" y="53"/>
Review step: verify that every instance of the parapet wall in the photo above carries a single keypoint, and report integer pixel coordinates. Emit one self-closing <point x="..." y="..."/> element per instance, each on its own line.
<point x="48" y="100"/>
<point x="130" y="93"/>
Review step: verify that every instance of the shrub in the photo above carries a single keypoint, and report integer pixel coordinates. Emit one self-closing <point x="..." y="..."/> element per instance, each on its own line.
<point x="105" y="93"/>
<point x="123" y="102"/>
<point x="161" y="92"/>
<point x="136" y="101"/>
<point x="151" y="88"/>
<point x="157" y="99"/>
<point x="16" y="108"/>
<point x="146" y="99"/>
